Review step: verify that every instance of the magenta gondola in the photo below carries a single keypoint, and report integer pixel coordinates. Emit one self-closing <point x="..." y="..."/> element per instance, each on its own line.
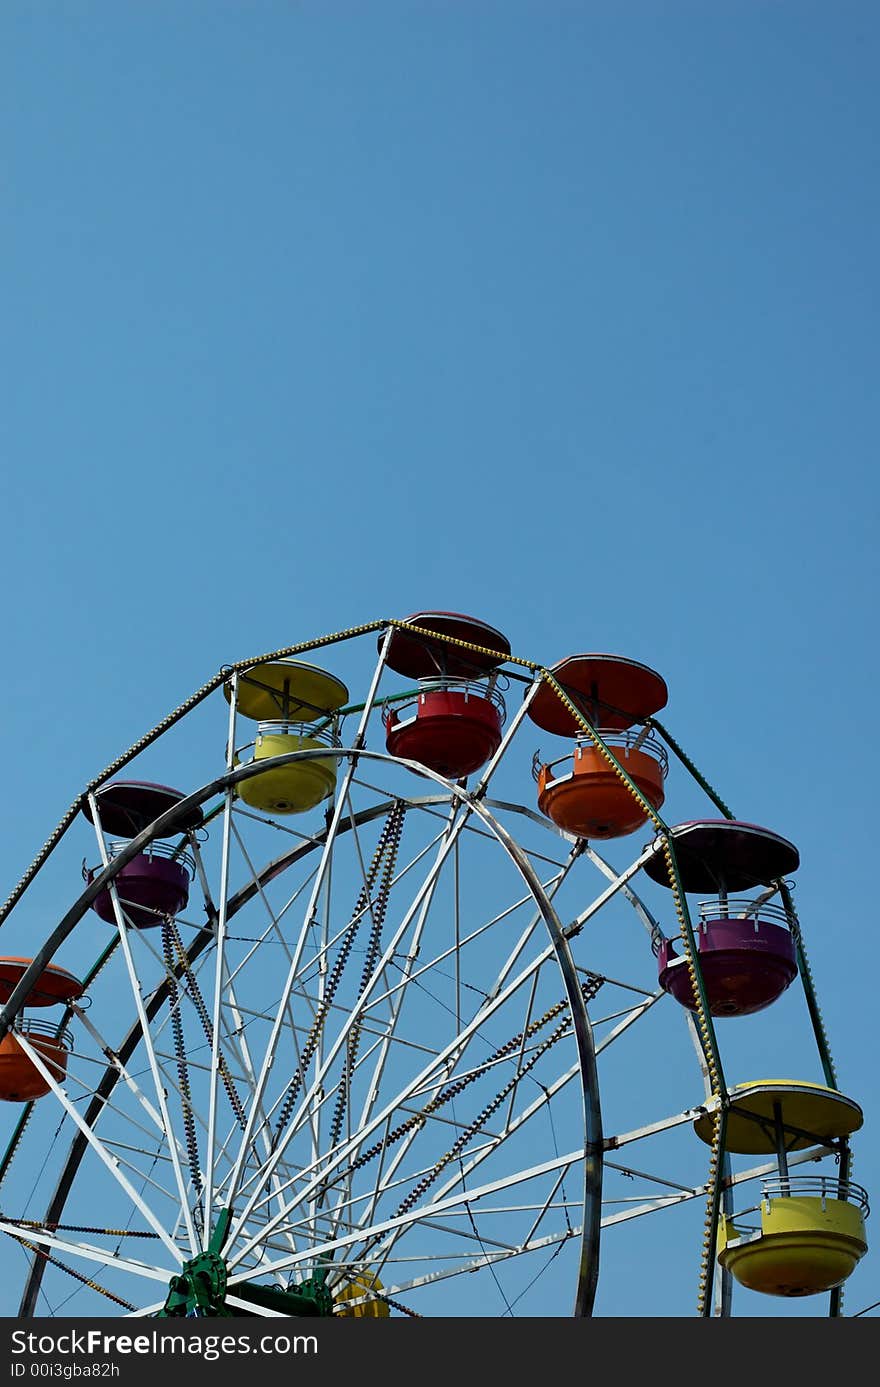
<point x="746" y="963"/>
<point x="154" y="885"/>
<point x="747" y="955"/>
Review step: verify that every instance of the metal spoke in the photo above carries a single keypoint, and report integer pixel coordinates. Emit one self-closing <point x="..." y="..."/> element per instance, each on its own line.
<point x="317" y="884"/>
<point x="431" y="1071"/>
<point x="111" y="1162"/>
<point x="434" y="1209"/>
<point x="89" y="1251"/>
<point x="125" y="949"/>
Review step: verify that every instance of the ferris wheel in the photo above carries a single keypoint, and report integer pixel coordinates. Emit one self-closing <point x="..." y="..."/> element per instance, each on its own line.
<point x="386" y="1012"/>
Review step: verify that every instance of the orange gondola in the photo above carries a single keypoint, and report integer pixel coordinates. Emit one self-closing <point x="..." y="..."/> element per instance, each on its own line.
<point x="20" y="1077"/>
<point x="606" y="787"/>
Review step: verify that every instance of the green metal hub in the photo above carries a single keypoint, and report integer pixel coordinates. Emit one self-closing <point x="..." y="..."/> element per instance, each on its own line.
<point x="309" y="1298"/>
<point x="200" y="1287"/>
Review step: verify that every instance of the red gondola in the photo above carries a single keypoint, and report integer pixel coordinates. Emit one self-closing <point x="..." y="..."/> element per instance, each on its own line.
<point x="453" y="721"/>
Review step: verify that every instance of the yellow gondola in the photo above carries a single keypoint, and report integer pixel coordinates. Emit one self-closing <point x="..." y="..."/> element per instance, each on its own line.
<point x="358" y="1299"/>
<point x="807" y="1235"/>
<point x="296" y="705"/>
<point x="810" y="1239"/>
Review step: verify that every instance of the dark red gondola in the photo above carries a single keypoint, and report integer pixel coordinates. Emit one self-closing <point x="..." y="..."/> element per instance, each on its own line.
<point x="453" y="722"/>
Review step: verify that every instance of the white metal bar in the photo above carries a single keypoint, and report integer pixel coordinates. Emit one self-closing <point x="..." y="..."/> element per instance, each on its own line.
<point x="220" y="945"/>
<point x="436" y="1065"/>
<point x="617" y="885"/>
<point x="145" y="1028"/>
<point x="111" y="1162"/>
<point x="390" y="950"/>
<point x="88" y="1251"/>
<point x="472" y="1196"/>
<point x="120" y="1068"/>
<point x="326" y="853"/>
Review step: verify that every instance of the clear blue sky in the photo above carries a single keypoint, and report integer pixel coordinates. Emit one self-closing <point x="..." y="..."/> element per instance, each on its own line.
<point x="560" y="314"/>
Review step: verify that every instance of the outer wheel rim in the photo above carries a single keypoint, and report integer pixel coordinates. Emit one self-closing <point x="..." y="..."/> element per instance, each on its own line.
<point x="587" y="1267"/>
<point x="783" y="887"/>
